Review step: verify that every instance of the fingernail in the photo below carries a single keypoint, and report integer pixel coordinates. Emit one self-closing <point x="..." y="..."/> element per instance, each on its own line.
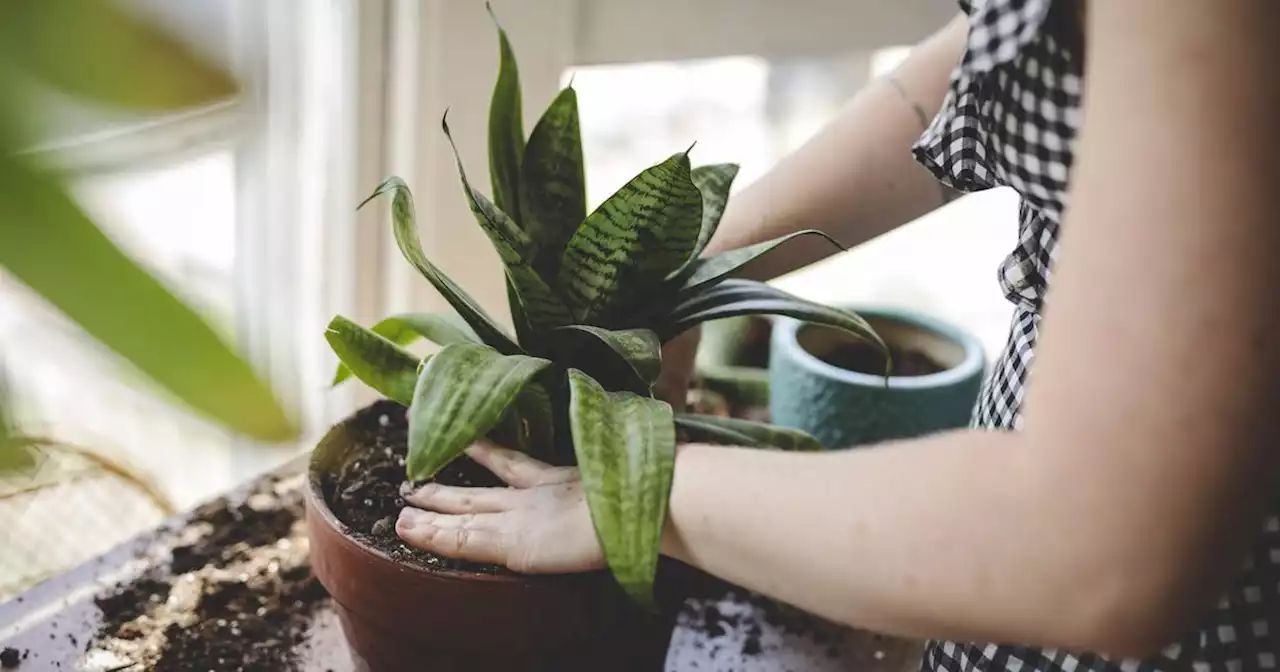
<point x="408" y="490"/>
<point x="411" y="517"/>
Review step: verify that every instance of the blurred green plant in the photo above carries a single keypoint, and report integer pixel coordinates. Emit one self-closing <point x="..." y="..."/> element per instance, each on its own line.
<point x="100" y="54"/>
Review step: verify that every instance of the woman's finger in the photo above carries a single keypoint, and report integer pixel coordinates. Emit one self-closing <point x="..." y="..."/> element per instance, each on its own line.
<point x="452" y="499"/>
<point x="517" y="469"/>
<point x="472" y="538"/>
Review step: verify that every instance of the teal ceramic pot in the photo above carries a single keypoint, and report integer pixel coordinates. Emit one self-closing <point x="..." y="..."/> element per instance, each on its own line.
<point x="844" y="408"/>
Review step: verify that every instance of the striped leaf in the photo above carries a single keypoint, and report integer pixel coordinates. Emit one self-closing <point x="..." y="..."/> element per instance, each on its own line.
<point x="709" y="269"/>
<point x="461" y="394"/>
<point x="713" y="183"/>
<point x="633" y="240"/>
<point x="629" y="359"/>
<point x="373" y="359"/>
<point x="553" y="199"/>
<point x="524" y="332"/>
<point x="52" y="246"/>
<point x="506" y="127"/>
<point x="405" y="228"/>
<point x="540" y="306"/>
<point x="735" y="431"/>
<point x="732" y="298"/>
<point x="626" y="445"/>
<point x="405" y="328"/>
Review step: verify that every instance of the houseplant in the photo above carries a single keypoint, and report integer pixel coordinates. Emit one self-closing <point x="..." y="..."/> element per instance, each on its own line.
<point x="825" y="383"/>
<point x="593" y="298"/>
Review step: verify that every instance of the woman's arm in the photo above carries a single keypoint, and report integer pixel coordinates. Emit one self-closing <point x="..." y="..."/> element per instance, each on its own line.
<point x="1148" y="454"/>
<point x="1149" y="450"/>
<point x="855" y="179"/>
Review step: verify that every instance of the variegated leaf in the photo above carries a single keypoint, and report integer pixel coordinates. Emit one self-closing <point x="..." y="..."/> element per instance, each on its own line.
<point x="506" y="127"/>
<point x="709" y="269"/>
<point x="405" y="229"/>
<point x="625" y="444"/>
<point x="405" y="328"/>
<point x="375" y="360"/>
<point x="461" y="394"/>
<point x="541" y="306"/>
<point x="732" y="298"/>
<point x="736" y="431"/>
<point x="639" y="235"/>
<point x="713" y="182"/>
<point x="553" y="200"/>
<point x="628" y="359"/>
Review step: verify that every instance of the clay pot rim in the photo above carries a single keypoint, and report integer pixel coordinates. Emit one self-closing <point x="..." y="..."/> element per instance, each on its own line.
<point x="786" y="336"/>
<point x="315" y="501"/>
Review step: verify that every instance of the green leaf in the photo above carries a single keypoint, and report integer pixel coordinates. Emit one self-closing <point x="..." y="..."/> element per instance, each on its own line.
<point x="541" y="307"/>
<point x="376" y="360"/>
<point x="626" y="446"/>
<point x="633" y="240"/>
<point x="49" y="244"/>
<point x="709" y="269"/>
<point x="405" y="228"/>
<point x="506" y="127"/>
<point x="732" y="298"/>
<point x="713" y="182"/>
<point x="629" y="359"/>
<point x="524" y="332"/>
<point x="553" y="193"/>
<point x="406" y="328"/>
<point x="461" y="394"/>
<point x="736" y="431"/>
<point x="96" y="50"/>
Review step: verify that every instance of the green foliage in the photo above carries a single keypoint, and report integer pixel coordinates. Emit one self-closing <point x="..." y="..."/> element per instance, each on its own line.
<point x="594" y="296"/>
<point x="94" y="51"/>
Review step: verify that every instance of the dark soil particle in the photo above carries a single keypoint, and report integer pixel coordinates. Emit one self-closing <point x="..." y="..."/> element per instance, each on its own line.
<point x="133" y="600"/>
<point x="10" y="658"/>
<point x="364" y="491"/>
<point x="232" y="524"/>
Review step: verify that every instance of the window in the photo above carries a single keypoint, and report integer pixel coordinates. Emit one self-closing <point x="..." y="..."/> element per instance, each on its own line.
<point x="754" y="110"/>
<point x="246" y="210"/>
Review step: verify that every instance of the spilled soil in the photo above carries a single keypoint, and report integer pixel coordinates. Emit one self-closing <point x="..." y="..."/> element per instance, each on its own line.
<point x="237" y="595"/>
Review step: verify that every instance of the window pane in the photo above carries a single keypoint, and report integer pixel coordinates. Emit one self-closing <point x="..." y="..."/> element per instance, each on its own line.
<point x="179" y="222"/>
<point x="753" y="111"/>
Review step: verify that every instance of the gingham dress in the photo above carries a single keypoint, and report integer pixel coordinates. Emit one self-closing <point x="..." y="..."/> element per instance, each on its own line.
<point x="1010" y="119"/>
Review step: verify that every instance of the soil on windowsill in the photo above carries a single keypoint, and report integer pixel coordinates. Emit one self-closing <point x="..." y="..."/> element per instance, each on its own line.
<point x="238" y="593"/>
<point x="364" y="491"/>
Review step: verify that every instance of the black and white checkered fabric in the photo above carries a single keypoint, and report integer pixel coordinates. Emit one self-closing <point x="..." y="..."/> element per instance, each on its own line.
<point x="1010" y="119"/>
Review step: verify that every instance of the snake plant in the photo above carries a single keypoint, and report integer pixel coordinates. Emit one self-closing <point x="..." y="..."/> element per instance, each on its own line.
<point x="593" y="297"/>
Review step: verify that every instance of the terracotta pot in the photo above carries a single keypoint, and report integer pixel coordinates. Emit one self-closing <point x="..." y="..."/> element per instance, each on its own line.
<point x="405" y="617"/>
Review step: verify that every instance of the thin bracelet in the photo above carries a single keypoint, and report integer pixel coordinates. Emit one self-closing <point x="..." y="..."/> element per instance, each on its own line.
<point x="924" y="124"/>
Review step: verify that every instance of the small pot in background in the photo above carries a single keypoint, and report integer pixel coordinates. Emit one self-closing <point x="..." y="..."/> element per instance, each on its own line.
<point x="829" y="383"/>
<point x="733" y="361"/>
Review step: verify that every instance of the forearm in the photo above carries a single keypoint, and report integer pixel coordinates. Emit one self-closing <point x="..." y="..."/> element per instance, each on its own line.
<point x="949" y="536"/>
<point x="855" y="179"/>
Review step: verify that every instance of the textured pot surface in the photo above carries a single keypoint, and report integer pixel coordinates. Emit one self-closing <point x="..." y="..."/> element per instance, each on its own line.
<point x="843" y="408"/>
<point x="404" y="617"/>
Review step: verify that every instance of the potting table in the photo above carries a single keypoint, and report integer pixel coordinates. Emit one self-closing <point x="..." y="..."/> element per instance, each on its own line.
<point x="54" y="623"/>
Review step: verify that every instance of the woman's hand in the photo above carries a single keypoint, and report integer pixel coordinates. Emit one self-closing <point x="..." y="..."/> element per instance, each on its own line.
<point x="539" y="525"/>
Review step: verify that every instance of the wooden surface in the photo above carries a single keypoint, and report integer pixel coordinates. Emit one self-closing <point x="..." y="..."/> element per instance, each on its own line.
<point x="54" y="621"/>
